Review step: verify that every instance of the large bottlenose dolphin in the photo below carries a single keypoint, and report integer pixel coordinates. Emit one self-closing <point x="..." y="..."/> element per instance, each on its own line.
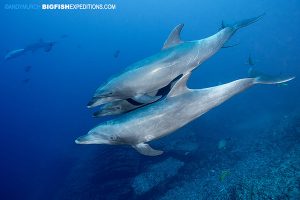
<point x="181" y="106"/>
<point x="41" y="44"/>
<point x="175" y="58"/>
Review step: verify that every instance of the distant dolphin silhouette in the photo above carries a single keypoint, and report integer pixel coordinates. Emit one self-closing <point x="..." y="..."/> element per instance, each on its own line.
<point x="117" y="53"/>
<point x="14" y="54"/>
<point x="46" y="46"/>
<point x="28" y="68"/>
<point x="250" y="61"/>
<point x="181" y="106"/>
<point x="41" y="44"/>
<point x="155" y="72"/>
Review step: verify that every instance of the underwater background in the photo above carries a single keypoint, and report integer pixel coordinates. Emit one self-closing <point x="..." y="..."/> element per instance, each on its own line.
<point x="247" y="148"/>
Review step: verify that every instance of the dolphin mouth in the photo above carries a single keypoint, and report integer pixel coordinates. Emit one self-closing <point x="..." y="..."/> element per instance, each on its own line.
<point x="104" y="112"/>
<point x="91" y="103"/>
<point x="100" y="114"/>
<point x="86" y="139"/>
<point x="97" y="101"/>
<point x="82" y="140"/>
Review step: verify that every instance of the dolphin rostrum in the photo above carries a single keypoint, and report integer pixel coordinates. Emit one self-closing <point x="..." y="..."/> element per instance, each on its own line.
<point x="181" y="106"/>
<point x="154" y="72"/>
<point x="41" y="44"/>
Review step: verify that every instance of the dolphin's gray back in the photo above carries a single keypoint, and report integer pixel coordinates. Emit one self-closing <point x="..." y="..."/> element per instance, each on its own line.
<point x="159" y="119"/>
<point x="159" y="69"/>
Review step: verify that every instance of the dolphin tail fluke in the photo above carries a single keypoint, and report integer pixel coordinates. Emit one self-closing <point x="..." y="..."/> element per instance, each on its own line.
<point x="243" y="23"/>
<point x="261" y="78"/>
<point x="247" y="22"/>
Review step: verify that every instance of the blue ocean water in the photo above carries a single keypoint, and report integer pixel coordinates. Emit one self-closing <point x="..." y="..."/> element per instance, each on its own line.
<point x="247" y="148"/>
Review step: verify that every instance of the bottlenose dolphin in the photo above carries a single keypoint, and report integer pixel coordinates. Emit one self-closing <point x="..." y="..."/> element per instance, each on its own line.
<point x="123" y="106"/>
<point x="181" y="106"/>
<point x="152" y="73"/>
<point x="46" y="46"/>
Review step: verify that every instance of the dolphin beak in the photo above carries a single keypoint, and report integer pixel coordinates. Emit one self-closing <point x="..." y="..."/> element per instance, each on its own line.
<point x="82" y="140"/>
<point x="104" y="112"/>
<point x="92" y="102"/>
<point x="97" y="101"/>
<point x="90" y="139"/>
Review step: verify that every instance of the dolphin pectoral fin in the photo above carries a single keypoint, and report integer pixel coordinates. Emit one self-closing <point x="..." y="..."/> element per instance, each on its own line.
<point x="145" y="99"/>
<point x="146" y="150"/>
<point x="174" y="37"/>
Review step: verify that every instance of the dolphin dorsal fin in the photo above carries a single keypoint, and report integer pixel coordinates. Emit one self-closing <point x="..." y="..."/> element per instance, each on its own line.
<point x="174" y="37"/>
<point x="180" y="86"/>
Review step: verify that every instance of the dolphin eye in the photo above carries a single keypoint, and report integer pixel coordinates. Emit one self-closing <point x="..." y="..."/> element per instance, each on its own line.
<point x="118" y="107"/>
<point x="113" y="137"/>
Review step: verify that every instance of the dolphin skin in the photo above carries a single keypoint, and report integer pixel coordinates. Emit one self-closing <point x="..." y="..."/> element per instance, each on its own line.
<point x="155" y="72"/>
<point x="46" y="46"/>
<point x="181" y="106"/>
<point x="123" y="106"/>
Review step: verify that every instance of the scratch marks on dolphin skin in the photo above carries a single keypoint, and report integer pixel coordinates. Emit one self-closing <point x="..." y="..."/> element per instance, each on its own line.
<point x="149" y="137"/>
<point x="197" y="56"/>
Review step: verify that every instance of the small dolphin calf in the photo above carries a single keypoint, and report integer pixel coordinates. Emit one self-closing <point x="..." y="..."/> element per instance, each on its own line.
<point x="157" y="71"/>
<point x="181" y="106"/>
<point x="123" y="106"/>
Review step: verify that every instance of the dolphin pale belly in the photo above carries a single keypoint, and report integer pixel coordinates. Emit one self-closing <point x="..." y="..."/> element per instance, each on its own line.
<point x="176" y="57"/>
<point x="181" y="106"/>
